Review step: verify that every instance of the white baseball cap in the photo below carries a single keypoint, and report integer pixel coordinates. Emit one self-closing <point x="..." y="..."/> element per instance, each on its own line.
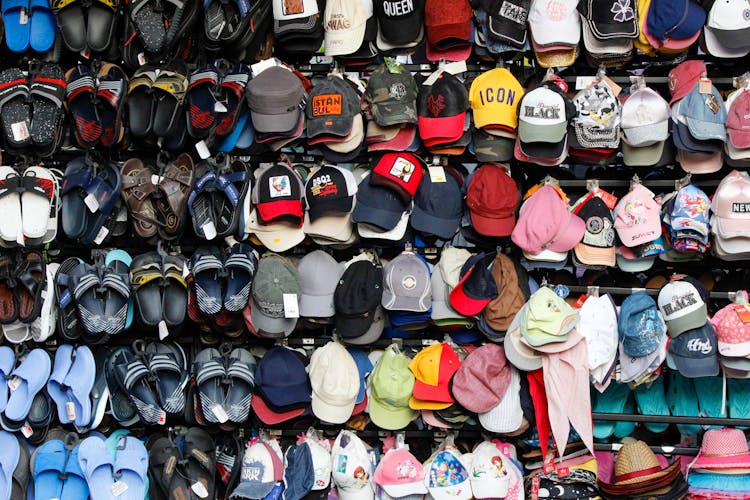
<point x="334" y="379"/>
<point x="645" y="118"/>
<point x="345" y="22"/>
<point x="352" y="467"/>
<point x="490" y="476"/>
<point x="447" y="477"/>
<point x="727" y="29"/>
<point x="597" y="322"/>
<point x="555" y="22"/>
<point x="681" y="307"/>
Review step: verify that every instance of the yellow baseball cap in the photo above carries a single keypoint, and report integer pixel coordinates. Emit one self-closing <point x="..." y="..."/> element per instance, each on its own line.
<point x="433" y="368"/>
<point x="494" y="98"/>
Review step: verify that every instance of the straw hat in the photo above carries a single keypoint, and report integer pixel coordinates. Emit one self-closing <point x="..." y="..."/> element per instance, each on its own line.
<point x="637" y="470"/>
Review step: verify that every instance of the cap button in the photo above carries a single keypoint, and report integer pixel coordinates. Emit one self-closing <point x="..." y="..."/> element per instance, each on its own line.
<point x="276" y="280"/>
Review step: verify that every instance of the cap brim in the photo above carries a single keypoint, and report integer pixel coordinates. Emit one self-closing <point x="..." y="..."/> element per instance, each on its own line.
<point x="696" y="367"/>
<point x="267" y="124"/>
<point x="542" y="133"/>
<point x="330" y="413"/>
<point x="372" y="334"/>
<point x="690" y="321"/>
<point x="394" y="113"/>
<point x="635" y="265"/>
<point x="345" y="42"/>
<point x="419" y="404"/>
<point x="255" y="491"/>
<point x="520" y="355"/>
<point x="388" y="417"/>
<point x="642" y="156"/>
<point x="376" y="216"/>
<point x="449" y="128"/>
<point x="646" y="135"/>
<point x="726" y="43"/>
<point x="316" y="306"/>
<point x="281" y="238"/>
<point x="699" y="163"/>
<point x="270" y="417"/>
<point x="269" y="327"/>
<point x="493" y="226"/>
<point x="425" y="222"/>
<point x="595" y="256"/>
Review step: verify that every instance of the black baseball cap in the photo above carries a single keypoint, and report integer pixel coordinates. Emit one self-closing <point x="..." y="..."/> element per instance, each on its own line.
<point x="442" y="110"/>
<point x="278" y="195"/>
<point x="357" y="297"/>
<point x="507" y="20"/>
<point x="438" y="207"/>
<point x="378" y="205"/>
<point x="399" y="20"/>
<point x="329" y="190"/>
<point x="480" y="284"/>
<point x="331" y="108"/>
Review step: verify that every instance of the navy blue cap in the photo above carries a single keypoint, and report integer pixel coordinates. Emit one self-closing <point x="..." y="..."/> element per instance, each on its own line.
<point x="364" y="367"/>
<point x="438" y="207"/>
<point x="639" y="326"/>
<point x="695" y="352"/>
<point x="464" y="336"/>
<point x="684" y="140"/>
<point x="674" y="19"/>
<point x="299" y="472"/>
<point x="378" y="205"/>
<point x="282" y="381"/>
<point x="480" y="284"/>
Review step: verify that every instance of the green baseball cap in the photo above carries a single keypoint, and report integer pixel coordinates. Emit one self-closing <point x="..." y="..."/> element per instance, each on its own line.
<point x="392" y="96"/>
<point x="275" y="277"/>
<point x="547" y="318"/>
<point x="391" y="385"/>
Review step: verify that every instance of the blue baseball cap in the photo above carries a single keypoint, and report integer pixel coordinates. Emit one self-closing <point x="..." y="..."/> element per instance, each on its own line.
<point x="678" y="19"/>
<point x="377" y="205"/>
<point x="640" y="328"/>
<point x="299" y="473"/>
<point x="695" y="352"/>
<point x="705" y="114"/>
<point x="282" y="381"/>
<point x="364" y="367"/>
<point x="684" y="139"/>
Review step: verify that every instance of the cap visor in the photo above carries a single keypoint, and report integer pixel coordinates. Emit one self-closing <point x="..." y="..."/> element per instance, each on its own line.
<point x="696" y="367"/>
<point x="595" y="256"/>
<point x="376" y="216"/>
<point x="388" y="417"/>
<point x="394" y="113"/>
<point x="330" y="413"/>
<point x="642" y="156"/>
<point x="270" y="417"/>
<point x="542" y="133"/>
<point x="646" y="135"/>
<point x="275" y="123"/>
<point x="427" y="223"/>
<point x="448" y="127"/>
<point x="464" y="304"/>
<point x="282" y="238"/>
<point x="269" y="327"/>
<point x="497" y="227"/>
<point x="419" y="404"/>
<point x="699" y="163"/>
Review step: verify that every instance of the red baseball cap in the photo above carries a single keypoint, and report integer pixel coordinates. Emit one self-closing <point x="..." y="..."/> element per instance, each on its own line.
<point x="683" y="77"/>
<point x="278" y="195"/>
<point x="433" y="368"/>
<point x="401" y="172"/>
<point x="475" y="289"/>
<point x="492" y="198"/>
<point x="442" y="109"/>
<point x="446" y="19"/>
<point x="270" y="417"/>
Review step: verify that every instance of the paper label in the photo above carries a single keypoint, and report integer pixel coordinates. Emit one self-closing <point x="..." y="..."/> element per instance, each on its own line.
<point x="704" y="86"/>
<point x="103" y="232"/>
<point x="455" y="68"/>
<point x="199" y="489"/>
<point x="291" y="305"/>
<point x="91" y="202"/>
<point x="14" y="383"/>
<point x="609" y="199"/>
<point x="209" y="230"/>
<point x="163" y="330"/>
<point x="433" y="77"/>
<point x="202" y="150"/>
<point x="119" y="487"/>
<point x="70" y="410"/>
<point x="23" y="17"/>
<point x="584" y="82"/>
<point x="85" y="53"/>
<point x="162" y="417"/>
<point x="220" y="413"/>
<point x="742" y="310"/>
<point x="20" y="131"/>
<point x="26" y="430"/>
<point x="156" y="179"/>
<point x="437" y="174"/>
<point x="535" y="483"/>
<point x="392" y="65"/>
<point x="141" y="58"/>
<point x="279" y="186"/>
<point x="580" y="301"/>
<point x="185" y="270"/>
<point x="563" y="472"/>
<point x="261" y="66"/>
<point x="219" y="107"/>
<point x="616" y="89"/>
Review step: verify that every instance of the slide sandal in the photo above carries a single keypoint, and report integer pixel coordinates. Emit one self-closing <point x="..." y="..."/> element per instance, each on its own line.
<point x="85" y="280"/>
<point x="738" y="398"/>
<point x="40" y="416"/>
<point x="612" y="400"/>
<point x="48" y="90"/>
<point x="21" y="473"/>
<point x="233" y="90"/>
<point x="77" y="178"/>
<point x="652" y="401"/>
<point x="241" y="373"/>
<point x="121" y="407"/>
<point x="7" y="362"/>
<point x="43" y="27"/>
<point x="119" y="305"/>
<point x="167" y="364"/>
<point x="110" y="93"/>
<point x="49" y="466"/>
<point x="200" y="94"/>
<point x="36" y="202"/>
<point x="67" y="316"/>
<point x="131" y="467"/>
<point x="240" y="266"/>
<point x="233" y="184"/>
<point x="149" y="23"/>
<point x="200" y="201"/>
<point x="16" y="24"/>
<point x="10" y="205"/>
<point x="56" y="387"/>
<point x="97" y="466"/>
<point x="99" y="393"/>
<point x="683" y="401"/>
<point x="199" y="450"/>
<point x="9" y="457"/>
<point x="15" y="111"/>
<point x="710" y="391"/>
<point x="141" y="102"/>
<point x="206" y="268"/>
<point x="70" y="20"/>
<point x="176" y="180"/>
<point x="75" y="486"/>
<point x="8" y="297"/>
<point x="137" y="189"/>
<point x="101" y="24"/>
<point x="170" y="88"/>
<point x="81" y="98"/>
<point x="163" y="454"/>
<point x="146" y="282"/>
<point x="44" y="328"/>
<point x="26" y="380"/>
<point x="209" y="374"/>
<point x="105" y="188"/>
<point x="174" y="294"/>
<point x="80" y="381"/>
<point x="133" y="377"/>
<point x="31" y="276"/>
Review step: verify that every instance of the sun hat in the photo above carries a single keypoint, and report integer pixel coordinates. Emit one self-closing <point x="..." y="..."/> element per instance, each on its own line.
<point x="637" y="470"/>
<point x="481" y="381"/>
<point x="433" y="367"/>
<point x="400" y="474"/>
<point x="722" y="449"/>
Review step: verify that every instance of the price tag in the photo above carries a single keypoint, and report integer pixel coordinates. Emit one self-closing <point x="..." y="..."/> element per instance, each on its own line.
<point x="220" y="413"/>
<point x="609" y="199"/>
<point x="535" y="488"/>
<point x="20" y="130"/>
<point x="118" y="488"/>
<point x="291" y="305"/>
<point x="580" y="301"/>
<point x="163" y="330"/>
<point x="14" y="383"/>
<point x="185" y="270"/>
<point x="202" y="150"/>
<point x="23" y="18"/>
<point x="455" y="68"/>
<point x="70" y="410"/>
<point x="549" y="465"/>
<point x="616" y="89"/>
<point x="26" y="430"/>
<point x="141" y="58"/>
<point x="91" y="202"/>
<point x="162" y="417"/>
<point x="704" y="86"/>
<point x="563" y="472"/>
<point x="584" y="82"/>
<point x="219" y="107"/>
<point x="209" y="230"/>
<point x="433" y="77"/>
<point x="437" y="174"/>
<point x="742" y="310"/>
<point x="199" y="489"/>
<point x="103" y="232"/>
<point x="156" y="179"/>
<point x="261" y="66"/>
<point x="392" y="65"/>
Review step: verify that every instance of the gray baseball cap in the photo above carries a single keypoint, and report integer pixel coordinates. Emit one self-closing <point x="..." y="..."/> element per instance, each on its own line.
<point x="276" y="276"/>
<point x="406" y="284"/>
<point x="275" y="98"/>
<point x="319" y="274"/>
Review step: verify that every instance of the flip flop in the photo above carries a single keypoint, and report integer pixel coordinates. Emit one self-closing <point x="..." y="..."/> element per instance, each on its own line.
<point x="7" y="362"/>
<point x="97" y="466"/>
<point x="200" y="93"/>
<point x="164" y="455"/>
<point x="209" y="374"/>
<point x="683" y="401"/>
<point x="233" y="85"/>
<point x="241" y="373"/>
<point x="133" y="377"/>
<point x="240" y="266"/>
<point x="26" y="381"/>
<point x="70" y="20"/>
<point x="175" y="182"/>
<point x="16" y="23"/>
<point x="86" y="283"/>
<point x="137" y="188"/>
<point x="170" y="88"/>
<point x="43" y="27"/>
<point x="131" y="467"/>
<point x="81" y="99"/>
<point x="120" y="305"/>
<point x="9" y="457"/>
<point x="30" y="275"/>
<point x="233" y="183"/>
<point x="110" y="92"/>
<point x="67" y="318"/>
<point x="75" y="486"/>
<point x="652" y="401"/>
<point x="613" y="400"/>
<point x="167" y="364"/>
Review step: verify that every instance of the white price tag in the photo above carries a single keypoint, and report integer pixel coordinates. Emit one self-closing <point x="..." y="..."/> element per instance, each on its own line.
<point x="119" y="487"/>
<point x="437" y="174"/>
<point x="14" y="383"/>
<point x="455" y="68"/>
<point x="85" y="53"/>
<point x="122" y="215"/>
<point x="141" y="58"/>
<point x="202" y="150"/>
<point x="26" y="430"/>
<point x="91" y="202"/>
<point x="219" y="107"/>
<point x="433" y="77"/>
<point x="162" y="417"/>
<point x="209" y="230"/>
<point x="199" y="489"/>
<point x="156" y="179"/>
<point x="584" y="82"/>
<point x="261" y="66"/>
<point x="291" y="305"/>
<point x="70" y="410"/>
<point x="220" y="413"/>
<point x="103" y="232"/>
<point x="185" y="270"/>
<point x="20" y="131"/>
<point x="23" y="17"/>
<point x="163" y="330"/>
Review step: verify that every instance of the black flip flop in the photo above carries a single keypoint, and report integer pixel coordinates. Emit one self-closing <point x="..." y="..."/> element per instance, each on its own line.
<point x="141" y="102"/>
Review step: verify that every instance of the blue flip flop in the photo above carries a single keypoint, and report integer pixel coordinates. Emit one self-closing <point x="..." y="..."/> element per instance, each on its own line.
<point x="612" y="400"/>
<point x="7" y="362"/>
<point x="652" y="401"/>
<point x="16" y="15"/>
<point x="125" y="258"/>
<point x="97" y="466"/>
<point x="710" y="391"/>
<point x="47" y="468"/>
<point x="131" y="464"/>
<point x="30" y="377"/>
<point x="9" y="457"/>
<point x="738" y="398"/>
<point x="43" y="26"/>
<point x="56" y="387"/>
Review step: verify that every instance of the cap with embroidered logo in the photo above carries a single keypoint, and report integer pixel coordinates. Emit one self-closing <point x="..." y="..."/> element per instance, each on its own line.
<point x="682" y="305"/>
<point x="494" y="97"/>
<point x="331" y="108"/>
<point x="345" y="22"/>
<point x="506" y="20"/>
<point x="392" y="96"/>
<point x="278" y="195"/>
<point x="442" y="110"/>
<point x="401" y="172"/>
<point x="399" y="20"/>
<point x="406" y="284"/>
<point x="695" y="353"/>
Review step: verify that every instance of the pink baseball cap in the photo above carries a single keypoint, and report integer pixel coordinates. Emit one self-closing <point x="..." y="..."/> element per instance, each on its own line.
<point x="700" y="163"/>
<point x="400" y="474"/>
<point x="731" y="206"/>
<point x="481" y="381"/>
<point x="732" y="325"/>
<point x="722" y="449"/>
<point x="738" y="120"/>
<point x="546" y="223"/>
<point x="684" y="76"/>
<point x="637" y="219"/>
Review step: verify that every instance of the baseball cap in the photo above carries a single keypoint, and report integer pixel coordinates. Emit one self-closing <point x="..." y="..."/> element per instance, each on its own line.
<point x="481" y="381"/>
<point x="507" y="416"/>
<point x="492" y="199"/>
<point x="598" y="245"/>
<point x="441" y="307"/>
<point x="727" y="29"/>
<point x="645" y="120"/>
<point x="546" y="223"/>
<point x="506" y="21"/>
<point x="364" y="368"/>
<point x="489" y="472"/>
<point x="299" y="474"/>
<point x="334" y="379"/>
<point x="391" y="386"/>
<point x="705" y="114"/>
<point x="276" y="237"/>
<point x="319" y="275"/>
<point x="597" y="120"/>
<point x="688" y="213"/>
<point x="546" y="318"/>
<point x="433" y="368"/>
<point x="398" y="20"/>
<point x="682" y="305"/>
<point x="345" y="22"/>
<point x="597" y="323"/>
<point x="275" y="98"/>
<point x="278" y="195"/>
<point x="292" y="16"/>
<point x="261" y="469"/>
<point x="447" y="477"/>
<point x="555" y="22"/>
<point x="276" y="277"/>
<point x="373" y="333"/>
<point x="738" y="122"/>
<point x="378" y="205"/>
<point x="476" y="288"/>
<point x="695" y="352"/>
<point x="674" y="20"/>
<point x="731" y="206"/>
<point x="357" y="296"/>
<point x="406" y="284"/>
<point x="518" y="353"/>
<point x="640" y="258"/>
<point x="607" y="22"/>
<point x="438" y="206"/>
<point x="683" y="77"/>
<point x="352" y="467"/>
<point x="451" y="261"/>
<point x="400" y="474"/>
<point x="639" y="326"/>
<point x="442" y="109"/>
<point x="487" y="147"/>
<point x="329" y="190"/>
<point x="401" y="172"/>
<point x="494" y="97"/>
<point x="281" y="379"/>
<point x="635" y="368"/>
<point x="543" y="122"/>
<point x="448" y="21"/>
<point x="732" y="326"/>
<point x="331" y="108"/>
<point x="637" y="217"/>
<point x="392" y="95"/>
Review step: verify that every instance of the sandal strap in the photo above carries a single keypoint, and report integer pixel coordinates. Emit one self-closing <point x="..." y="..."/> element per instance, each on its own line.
<point x="241" y="371"/>
<point x="207" y="370"/>
<point x="83" y="83"/>
<point x="206" y="75"/>
<point x="112" y="91"/>
<point x="84" y="283"/>
<point x="57" y="5"/>
<point x="173" y="83"/>
<point x="38" y="185"/>
<point x="52" y="89"/>
<point x="144" y="78"/>
<point x="80" y="179"/>
<point x="117" y="282"/>
<point x="136" y="370"/>
<point x="144" y="274"/>
<point x="138" y="186"/>
<point x="237" y="81"/>
<point x="12" y="89"/>
<point x="11" y="184"/>
<point x="174" y="272"/>
<point x="206" y="263"/>
<point x="163" y="362"/>
<point x="239" y="261"/>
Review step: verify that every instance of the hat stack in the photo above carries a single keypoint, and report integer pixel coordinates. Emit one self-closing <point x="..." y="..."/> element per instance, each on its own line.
<point x="645" y="128"/>
<point x="352" y="467"/>
<point x="671" y="26"/>
<point x="262" y="469"/>
<point x="638" y="226"/>
<point x="499" y="313"/>
<point x="335" y="383"/>
<point x="722" y="466"/>
<point x="278" y="216"/>
<point x="555" y="28"/>
<point x="400" y="25"/>
<point x="282" y="387"/>
<point x="438" y="204"/>
<point x="643" y="337"/>
<point x="543" y="119"/>
<point x="350" y="29"/>
<point x="737" y="146"/>
<point x="492" y="199"/>
<point x="548" y="323"/>
<point x="638" y="473"/>
<point x="329" y="201"/>
<point x="447" y="475"/>
<point x="297" y="27"/>
<point x="494" y="97"/>
<point x="503" y="26"/>
<point x="597" y="248"/>
<point x="407" y="291"/>
<point x="400" y="474"/>
<point x="444" y="124"/>
<point x="334" y="120"/>
<point x="732" y="325"/>
<point x="476" y="287"/>
<point x="449" y="30"/>
<point x="433" y="367"/>
<point x="609" y="27"/>
<point x="687" y="223"/>
<point x="359" y="318"/>
<point x="276" y="98"/>
<point x="445" y="276"/>
<point x="730" y="222"/>
<point x="574" y="477"/>
<point x="726" y="30"/>
<point x="596" y="124"/>
<point x="391" y="97"/>
<point x="269" y="314"/>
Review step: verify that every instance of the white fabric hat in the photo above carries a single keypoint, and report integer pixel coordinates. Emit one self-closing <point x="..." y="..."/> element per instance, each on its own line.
<point x="351" y="467"/>
<point x="451" y="261"/>
<point x="645" y="118"/>
<point x="507" y="416"/>
<point x="490" y="477"/>
<point x="345" y="22"/>
<point x="597" y="322"/>
<point x="395" y="234"/>
<point x="555" y="22"/>
<point x="334" y="379"/>
<point x="441" y="306"/>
